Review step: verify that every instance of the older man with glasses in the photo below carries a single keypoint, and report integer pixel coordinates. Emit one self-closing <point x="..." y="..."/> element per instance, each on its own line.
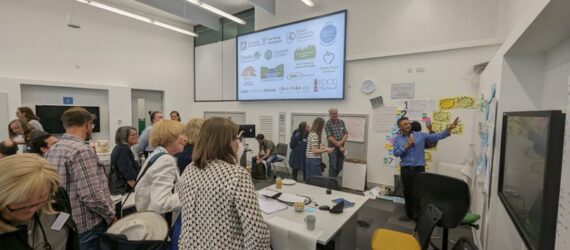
<point x="337" y="135"/>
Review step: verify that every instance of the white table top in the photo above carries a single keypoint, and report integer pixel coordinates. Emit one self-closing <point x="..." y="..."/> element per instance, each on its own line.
<point x="326" y="221"/>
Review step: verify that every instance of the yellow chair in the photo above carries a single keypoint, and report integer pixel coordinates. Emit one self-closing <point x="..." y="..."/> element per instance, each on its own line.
<point x="385" y="239"/>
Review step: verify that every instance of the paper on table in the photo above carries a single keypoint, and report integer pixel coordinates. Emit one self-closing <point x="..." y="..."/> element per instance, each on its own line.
<point x="289" y="235"/>
<point x="269" y="206"/>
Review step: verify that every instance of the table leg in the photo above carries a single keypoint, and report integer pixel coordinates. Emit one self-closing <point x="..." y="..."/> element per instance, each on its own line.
<point x="346" y="237"/>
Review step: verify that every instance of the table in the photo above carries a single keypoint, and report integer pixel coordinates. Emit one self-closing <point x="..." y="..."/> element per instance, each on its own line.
<point x="340" y="227"/>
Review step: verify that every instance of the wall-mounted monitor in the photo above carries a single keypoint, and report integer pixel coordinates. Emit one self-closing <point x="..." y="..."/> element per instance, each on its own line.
<point x="248" y="130"/>
<point x="50" y="117"/>
<point x="296" y="61"/>
<point x="529" y="173"/>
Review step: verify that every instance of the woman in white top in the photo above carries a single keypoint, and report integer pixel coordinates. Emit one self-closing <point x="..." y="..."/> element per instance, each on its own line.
<point x="26" y="114"/>
<point x="315" y="149"/>
<point x="219" y="204"/>
<point x="154" y="190"/>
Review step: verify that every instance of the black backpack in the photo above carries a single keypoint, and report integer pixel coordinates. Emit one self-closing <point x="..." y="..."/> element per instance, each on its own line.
<point x="258" y="171"/>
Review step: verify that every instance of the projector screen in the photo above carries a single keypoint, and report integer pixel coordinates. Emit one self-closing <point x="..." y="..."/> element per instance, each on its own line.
<point x="300" y="60"/>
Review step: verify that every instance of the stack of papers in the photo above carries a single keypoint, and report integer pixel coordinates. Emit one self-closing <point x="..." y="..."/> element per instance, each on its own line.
<point x="269" y="206"/>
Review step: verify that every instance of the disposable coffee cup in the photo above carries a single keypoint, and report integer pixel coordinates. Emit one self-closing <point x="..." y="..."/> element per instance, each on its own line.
<point x="310" y="220"/>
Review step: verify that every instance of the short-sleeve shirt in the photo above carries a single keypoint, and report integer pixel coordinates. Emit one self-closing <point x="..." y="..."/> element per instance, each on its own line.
<point x="336" y="129"/>
<point x="268" y="145"/>
<point x="312" y="141"/>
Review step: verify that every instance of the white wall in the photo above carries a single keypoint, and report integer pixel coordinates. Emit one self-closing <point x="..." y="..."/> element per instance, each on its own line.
<point x="50" y="95"/>
<point x="446" y="75"/>
<point x="394" y="27"/>
<point x="109" y="52"/>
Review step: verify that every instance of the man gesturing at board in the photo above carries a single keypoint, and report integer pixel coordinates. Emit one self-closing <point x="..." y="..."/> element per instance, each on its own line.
<point x="410" y="146"/>
<point x="336" y="136"/>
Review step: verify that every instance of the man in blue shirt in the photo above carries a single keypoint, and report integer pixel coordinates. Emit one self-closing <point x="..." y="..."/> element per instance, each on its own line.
<point x="410" y="146"/>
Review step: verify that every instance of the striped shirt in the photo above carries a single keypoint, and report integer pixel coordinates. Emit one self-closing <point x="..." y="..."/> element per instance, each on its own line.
<point x="336" y="129"/>
<point x="313" y="141"/>
<point x="83" y="177"/>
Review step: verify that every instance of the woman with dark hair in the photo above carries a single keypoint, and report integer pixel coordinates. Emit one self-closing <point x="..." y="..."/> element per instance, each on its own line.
<point x="175" y="116"/>
<point x="315" y="148"/>
<point x="298" y="147"/>
<point x="20" y="131"/>
<point x="214" y="190"/>
<point x="124" y="167"/>
<point x="26" y="114"/>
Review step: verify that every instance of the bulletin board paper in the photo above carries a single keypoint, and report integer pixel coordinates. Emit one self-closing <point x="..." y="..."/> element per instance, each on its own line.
<point x="356" y="127"/>
<point x="383" y="120"/>
<point x="562" y="230"/>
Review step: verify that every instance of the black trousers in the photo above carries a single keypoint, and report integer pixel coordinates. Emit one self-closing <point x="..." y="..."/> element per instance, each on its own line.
<point x="408" y="175"/>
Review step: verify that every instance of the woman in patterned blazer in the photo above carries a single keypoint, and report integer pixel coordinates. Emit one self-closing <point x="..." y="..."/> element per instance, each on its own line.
<point x="219" y="204"/>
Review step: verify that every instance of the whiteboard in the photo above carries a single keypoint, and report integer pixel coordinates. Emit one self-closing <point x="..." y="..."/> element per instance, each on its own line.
<point x="356" y="127"/>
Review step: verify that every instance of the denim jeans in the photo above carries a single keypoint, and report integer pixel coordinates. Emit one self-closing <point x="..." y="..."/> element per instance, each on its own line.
<point x="313" y="167"/>
<point x="89" y="240"/>
<point x="271" y="159"/>
<point x="336" y="162"/>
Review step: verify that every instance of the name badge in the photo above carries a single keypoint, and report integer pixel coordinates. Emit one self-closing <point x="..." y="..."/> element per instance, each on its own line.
<point x="60" y="221"/>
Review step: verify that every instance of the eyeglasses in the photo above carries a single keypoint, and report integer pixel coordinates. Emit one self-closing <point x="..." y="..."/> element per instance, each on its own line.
<point x="39" y="204"/>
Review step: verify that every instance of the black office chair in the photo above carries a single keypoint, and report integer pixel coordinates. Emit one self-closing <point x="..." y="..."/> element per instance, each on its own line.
<point x="323" y="181"/>
<point x="281" y="150"/>
<point x="449" y="194"/>
<point x="464" y="243"/>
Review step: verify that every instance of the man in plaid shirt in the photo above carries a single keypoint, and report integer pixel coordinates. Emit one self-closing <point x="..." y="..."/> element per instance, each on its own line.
<point x="83" y="176"/>
<point x="336" y="136"/>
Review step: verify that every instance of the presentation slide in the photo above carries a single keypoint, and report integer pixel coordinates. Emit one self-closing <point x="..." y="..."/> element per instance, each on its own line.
<point x="301" y="60"/>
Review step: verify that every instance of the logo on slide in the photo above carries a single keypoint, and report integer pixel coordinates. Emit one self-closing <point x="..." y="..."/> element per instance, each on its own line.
<point x="329" y="83"/>
<point x="291" y="37"/>
<point x="268" y="54"/>
<point x="328" y="34"/>
<point x="305" y="53"/>
<point x="328" y="57"/>
<point x="243" y="45"/>
<point x="272" y="73"/>
<point x="295" y="76"/>
<point x="248" y="72"/>
<point x="257" y="55"/>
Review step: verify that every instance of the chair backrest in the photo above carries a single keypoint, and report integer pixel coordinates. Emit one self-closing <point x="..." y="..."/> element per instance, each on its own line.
<point x="464" y="243"/>
<point x="426" y="223"/>
<point x="322" y="181"/>
<point x="281" y="149"/>
<point x="449" y="194"/>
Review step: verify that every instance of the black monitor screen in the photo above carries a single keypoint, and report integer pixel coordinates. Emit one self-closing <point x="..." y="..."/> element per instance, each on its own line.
<point x="248" y="130"/>
<point x="50" y="117"/>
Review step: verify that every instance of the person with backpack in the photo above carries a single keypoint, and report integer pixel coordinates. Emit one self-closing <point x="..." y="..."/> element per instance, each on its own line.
<point x="298" y="145"/>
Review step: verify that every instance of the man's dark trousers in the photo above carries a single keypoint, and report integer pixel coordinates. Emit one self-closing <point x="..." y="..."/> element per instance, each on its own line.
<point x="408" y="175"/>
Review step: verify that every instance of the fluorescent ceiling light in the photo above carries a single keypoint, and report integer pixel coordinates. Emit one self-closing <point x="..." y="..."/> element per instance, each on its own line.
<point x="216" y="11"/>
<point x="308" y="3"/>
<point x="135" y="16"/>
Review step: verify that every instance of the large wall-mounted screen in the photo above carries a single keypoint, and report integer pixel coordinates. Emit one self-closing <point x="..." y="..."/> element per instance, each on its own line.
<point x="300" y="60"/>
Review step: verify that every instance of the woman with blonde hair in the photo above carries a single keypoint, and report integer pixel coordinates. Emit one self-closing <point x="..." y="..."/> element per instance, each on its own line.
<point x="192" y="130"/>
<point x="315" y="149"/>
<point x="214" y="190"/>
<point x="154" y="190"/>
<point x="28" y="187"/>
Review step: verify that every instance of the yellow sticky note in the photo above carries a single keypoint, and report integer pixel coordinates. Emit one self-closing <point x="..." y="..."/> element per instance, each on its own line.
<point x="427" y="156"/>
<point x="447" y="103"/>
<point x="388" y="146"/>
<point x="441" y="116"/>
<point x="457" y="130"/>
<point x="438" y="126"/>
<point x="465" y="102"/>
